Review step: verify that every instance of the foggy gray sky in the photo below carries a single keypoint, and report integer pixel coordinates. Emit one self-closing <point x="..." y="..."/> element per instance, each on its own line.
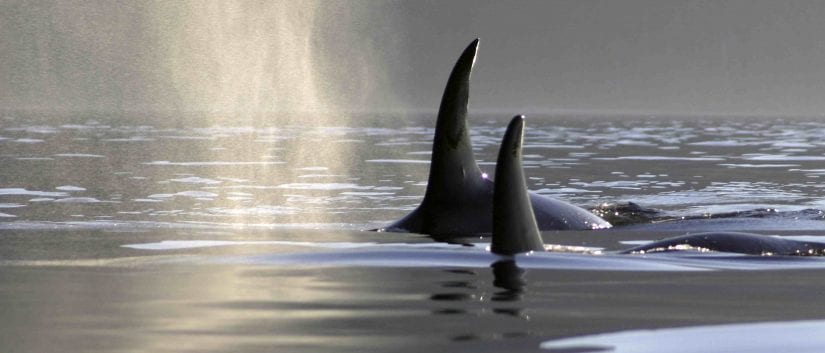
<point x="723" y="57"/>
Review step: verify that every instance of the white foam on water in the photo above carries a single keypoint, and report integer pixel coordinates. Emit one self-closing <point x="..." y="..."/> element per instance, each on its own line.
<point x="748" y="165"/>
<point x="34" y="159"/>
<point x="21" y="191"/>
<point x="197" y="180"/>
<point x="78" y="200"/>
<point x="724" y="143"/>
<point x="780" y="157"/>
<point x="190" y="193"/>
<point x="28" y="140"/>
<point x="70" y="188"/>
<point x="763" y="337"/>
<point x="79" y="155"/>
<point x="11" y="205"/>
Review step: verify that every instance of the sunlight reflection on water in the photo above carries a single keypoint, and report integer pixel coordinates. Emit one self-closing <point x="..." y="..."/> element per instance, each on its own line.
<point x="297" y="174"/>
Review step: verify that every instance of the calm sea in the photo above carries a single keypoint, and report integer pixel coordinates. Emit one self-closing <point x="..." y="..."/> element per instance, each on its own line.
<point x="127" y="235"/>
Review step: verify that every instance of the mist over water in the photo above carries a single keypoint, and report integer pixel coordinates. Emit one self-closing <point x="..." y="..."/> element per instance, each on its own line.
<point x="224" y="57"/>
<point x="243" y="58"/>
<point x="230" y="60"/>
<point x="201" y="64"/>
<point x="255" y="58"/>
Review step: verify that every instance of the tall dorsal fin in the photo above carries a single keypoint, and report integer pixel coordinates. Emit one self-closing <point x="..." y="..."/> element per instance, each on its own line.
<point x="514" y="224"/>
<point x="453" y="164"/>
<point x="459" y="198"/>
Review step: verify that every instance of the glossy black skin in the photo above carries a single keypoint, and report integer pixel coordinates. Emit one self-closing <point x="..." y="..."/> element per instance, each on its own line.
<point x="514" y="224"/>
<point x="459" y="197"/>
<point x="733" y="242"/>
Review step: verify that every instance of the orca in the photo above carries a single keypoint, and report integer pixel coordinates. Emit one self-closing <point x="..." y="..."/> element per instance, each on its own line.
<point x="513" y="214"/>
<point x="458" y="201"/>
<point x="515" y="229"/>
<point x="733" y="242"/>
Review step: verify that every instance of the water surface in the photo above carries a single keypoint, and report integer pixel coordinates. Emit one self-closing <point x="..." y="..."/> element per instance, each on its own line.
<point x="170" y="236"/>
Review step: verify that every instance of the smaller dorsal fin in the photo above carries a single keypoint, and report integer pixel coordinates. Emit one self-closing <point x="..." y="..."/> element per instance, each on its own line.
<point x="458" y="201"/>
<point x="514" y="224"/>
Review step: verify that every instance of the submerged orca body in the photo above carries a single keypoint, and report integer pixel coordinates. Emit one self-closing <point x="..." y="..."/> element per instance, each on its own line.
<point x="515" y="229"/>
<point x="732" y="242"/>
<point x="459" y="197"/>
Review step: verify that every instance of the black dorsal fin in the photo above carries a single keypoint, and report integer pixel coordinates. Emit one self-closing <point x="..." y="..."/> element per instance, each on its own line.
<point x="453" y="167"/>
<point x="458" y="201"/>
<point x="514" y="224"/>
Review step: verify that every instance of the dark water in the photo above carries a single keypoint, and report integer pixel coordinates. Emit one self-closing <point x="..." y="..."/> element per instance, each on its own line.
<point x="169" y="236"/>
